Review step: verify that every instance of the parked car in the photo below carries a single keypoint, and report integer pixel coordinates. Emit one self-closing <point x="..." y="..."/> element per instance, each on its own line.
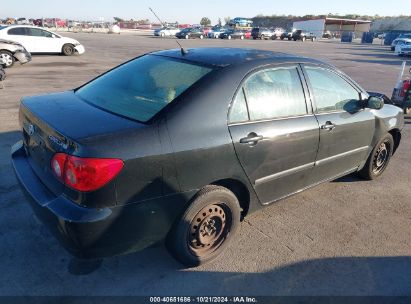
<point x="232" y="34"/>
<point x="261" y="33"/>
<point x="23" y="21"/>
<point x="277" y="33"/>
<point x="287" y="35"/>
<point x="11" y="52"/>
<point x="400" y="38"/>
<point x="166" y="31"/>
<point x="403" y="47"/>
<point x="190" y="32"/>
<point x="151" y="166"/>
<point x="216" y="31"/>
<point x="38" y="40"/>
<point x="303" y="36"/>
<point x="327" y="35"/>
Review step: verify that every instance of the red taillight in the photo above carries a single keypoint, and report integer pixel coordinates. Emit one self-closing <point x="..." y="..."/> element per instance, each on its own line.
<point x="85" y="174"/>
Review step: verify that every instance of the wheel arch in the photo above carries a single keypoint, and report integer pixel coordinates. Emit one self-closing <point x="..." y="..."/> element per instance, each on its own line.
<point x="68" y="43"/>
<point x="240" y="190"/>
<point x="396" y="135"/>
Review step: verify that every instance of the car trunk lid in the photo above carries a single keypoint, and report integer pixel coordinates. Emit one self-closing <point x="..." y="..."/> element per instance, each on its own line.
<point x="62" y="123"/>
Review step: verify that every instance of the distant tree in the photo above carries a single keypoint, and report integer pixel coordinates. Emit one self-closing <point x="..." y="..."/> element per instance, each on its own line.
<point x="220" y="23"/>
<point x="227" y="20"/>
<point x="118" y="19"/>
<point x="205" y="21"/>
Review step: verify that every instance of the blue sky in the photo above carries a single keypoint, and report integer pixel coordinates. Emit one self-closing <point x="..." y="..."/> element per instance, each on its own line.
<point x="191" y="11"/>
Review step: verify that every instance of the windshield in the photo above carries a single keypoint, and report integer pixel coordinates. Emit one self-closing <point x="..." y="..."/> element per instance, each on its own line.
<point x="140" y="88"/>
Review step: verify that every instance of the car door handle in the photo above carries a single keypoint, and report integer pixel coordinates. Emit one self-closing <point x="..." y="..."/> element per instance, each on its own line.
<point x="328" y="126"/>
<point x="251" y="138"/>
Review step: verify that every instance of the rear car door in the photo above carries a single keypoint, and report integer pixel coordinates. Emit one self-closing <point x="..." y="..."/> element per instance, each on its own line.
<point x="274" y="132"/>
<point x="346" y="128"/>
<point x="20" y="35"/>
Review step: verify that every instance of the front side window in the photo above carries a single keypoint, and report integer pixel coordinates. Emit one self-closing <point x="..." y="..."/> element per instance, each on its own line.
<point x="275" y="93"/>
<point x="142" y="87"/>
<point x="331" y="92"/>
<point x="39" y="33"/>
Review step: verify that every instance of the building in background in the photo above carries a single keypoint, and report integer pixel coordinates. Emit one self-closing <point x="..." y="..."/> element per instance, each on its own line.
<point x="333" y="26"/>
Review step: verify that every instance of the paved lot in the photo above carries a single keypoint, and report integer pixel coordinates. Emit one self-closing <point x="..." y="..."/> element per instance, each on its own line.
<point x="348" y="237"/>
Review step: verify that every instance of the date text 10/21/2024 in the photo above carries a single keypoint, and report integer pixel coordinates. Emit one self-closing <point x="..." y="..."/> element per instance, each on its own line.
<point x="203" y="300"/>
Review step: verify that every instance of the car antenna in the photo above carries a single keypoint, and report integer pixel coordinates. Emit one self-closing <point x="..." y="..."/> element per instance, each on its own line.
<point x="183" y="51"/>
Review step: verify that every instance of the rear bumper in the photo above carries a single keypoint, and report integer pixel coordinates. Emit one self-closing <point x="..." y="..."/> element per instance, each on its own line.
<point x="95" y="233"/>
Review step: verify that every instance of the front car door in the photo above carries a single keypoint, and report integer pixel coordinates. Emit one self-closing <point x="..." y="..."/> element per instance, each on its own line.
<point x="346" y="128"/>
<point x="274" y="132"/>
<point x="46" y="42"/>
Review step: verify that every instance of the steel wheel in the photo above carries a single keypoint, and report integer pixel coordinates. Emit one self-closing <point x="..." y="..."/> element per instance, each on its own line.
<point x="209" y="229"/>
<point x="381" y="157"/>
<point x="206" y="227"/>
<point x="68" y="50"/>
<point x="7" y="59"/>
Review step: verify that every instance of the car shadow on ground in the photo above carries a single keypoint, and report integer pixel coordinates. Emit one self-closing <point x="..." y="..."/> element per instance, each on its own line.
<point x="351" y="178"/>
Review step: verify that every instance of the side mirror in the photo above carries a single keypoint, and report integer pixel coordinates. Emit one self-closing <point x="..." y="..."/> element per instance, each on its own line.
<point x="375" y="103"/>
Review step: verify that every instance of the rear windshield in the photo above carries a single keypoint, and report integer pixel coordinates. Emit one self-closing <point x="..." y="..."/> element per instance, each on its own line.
<point x="140" y="88"/>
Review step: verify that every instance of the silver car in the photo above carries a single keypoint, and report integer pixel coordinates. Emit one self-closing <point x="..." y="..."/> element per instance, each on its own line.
<point x="11" y="52"/>
<point x="166" y="31"/>
<point x="400" y="38"/>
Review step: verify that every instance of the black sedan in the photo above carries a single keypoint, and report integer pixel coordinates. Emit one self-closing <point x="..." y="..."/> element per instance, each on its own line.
<point x="188" y="33"/>
<point x="181" y="145"/>
<point x="232" y="34"/>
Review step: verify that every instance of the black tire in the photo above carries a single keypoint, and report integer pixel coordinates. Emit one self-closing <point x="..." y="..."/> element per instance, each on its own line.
<point x="8" y="58"/>
<point x="68" y="50"/>
<point x="379" y="158"/>
<point x="206" y="227"/>
<point x="406" y="110"/>
<point x="262" y="37"/>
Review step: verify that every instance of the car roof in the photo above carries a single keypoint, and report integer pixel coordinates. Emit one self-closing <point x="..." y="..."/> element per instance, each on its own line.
<point x="232" y="56"/>
<point x="21" y="25"/>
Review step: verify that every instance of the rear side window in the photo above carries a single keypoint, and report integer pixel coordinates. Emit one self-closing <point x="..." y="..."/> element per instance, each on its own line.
<point x="331" y="92"/>
<point x="275" y="93"/>
<point x="239" y="111"/>
<point x="17" y="31"/>
<point x="140" y="88"/>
